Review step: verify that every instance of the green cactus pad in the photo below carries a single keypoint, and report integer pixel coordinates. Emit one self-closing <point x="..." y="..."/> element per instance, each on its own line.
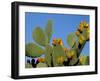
<point x="71" y="39"/>
<point x="33" y="50"/>
<point x="39" y="36"/>
<point x="58" y="55"/>
<point x="48" y="52"/>
<point x="39" y="65"/>
<point x="48" y="30"/>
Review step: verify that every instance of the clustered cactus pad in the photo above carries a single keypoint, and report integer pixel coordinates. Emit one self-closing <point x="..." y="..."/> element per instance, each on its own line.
<point x="57" y="54"/>
<point x="33" y="50"/>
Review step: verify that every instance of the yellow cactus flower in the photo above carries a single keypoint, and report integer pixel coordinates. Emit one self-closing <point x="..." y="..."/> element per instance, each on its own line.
<point x="60" y="59"/>
<point x="57" y="42"/>
<point x="80" y="41"/>
<point x="70" y="54"/>
<point x="80" y="29"/>
<point x="41" y="59"/>
<point x="82" y="37"/>
<point x="81" y="24"/>
<point x="77" y="33"/>
<point x="81" y="59"/>
<point x="86" y="25"/>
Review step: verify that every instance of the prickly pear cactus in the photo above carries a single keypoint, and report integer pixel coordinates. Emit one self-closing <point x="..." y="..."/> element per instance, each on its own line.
<point x="57" y="54"/>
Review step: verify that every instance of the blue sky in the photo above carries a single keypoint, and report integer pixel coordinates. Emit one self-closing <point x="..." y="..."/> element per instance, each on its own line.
<point x="63" y="24"/>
